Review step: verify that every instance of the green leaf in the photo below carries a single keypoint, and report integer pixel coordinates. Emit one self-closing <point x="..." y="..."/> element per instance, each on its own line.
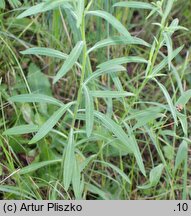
<point x="168" y="42"/>
<point x="2" y="4"/>
<point x="129" y="142"/>
<point x="69" y="161"/>
<point x="120" y="40"/>
<point x="101" y="71"/>
<point x="35" y="166"/>
<point x="116" y="169"/>
<point x="111" y="94"/>
<point x="169" y="101"/>
<point x="70" y="61"/>
<point x="184" y="98"/>
<point x="42" y="7"/>
<point x="183" y="121"/>
<point x="169" y="152"/>
<point x="135" y="4"/>
<point x="168" y="8"/>
<point x="181" y="154"/>
<point x="112" y="20"/>
<point x="155" y="175"/>
<point x="80" y="12"/>
<point x="43" y="51"/>
<point x="164" y="62"/>
<point x="50" y="123"/>
<point x="123" y="60"/>
<point x="89" y="105"/>
<point x="22" y="129"/>
<point x="35" y="98"/>
<point x="76" y="181"/>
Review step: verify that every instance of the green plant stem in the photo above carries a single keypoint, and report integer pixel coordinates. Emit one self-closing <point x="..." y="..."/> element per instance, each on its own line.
<point x="79" y="97"/>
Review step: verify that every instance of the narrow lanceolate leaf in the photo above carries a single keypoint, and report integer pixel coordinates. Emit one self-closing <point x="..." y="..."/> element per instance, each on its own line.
<point x="89" y="111"/>
<point x="136" y="151"/>
<point x="76" y="180"/>
<point x="69" y="161"/>
<point x="112" y="20"/>
<point x="116" y="169"/>
<point x="69" y="63"/>
<point x="111" y="94"/>
<point x="168" y="42"/>
<point x="101" y="71"/>
<point x="135" y="4"/>
<point x="50" y="123"/>
<point x="22" y="129"/>
<point x="42" y="7"/>
<point x="120" y="40"/>
<point x="122" y="136"/>
<point x="169" y="101"/>
<point x="35" y="166"/>
<point x="164" y="62"/>
<point x="181" y="154"/>
<point x="123" y="60"/>
<point x="35" y="98"/>
<point x="168" y="8"/>
<point x="80" y="12"/>
<point x="184" y="98"/>
<point x="184" y="122"/>
<point x="43" y="51"/>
